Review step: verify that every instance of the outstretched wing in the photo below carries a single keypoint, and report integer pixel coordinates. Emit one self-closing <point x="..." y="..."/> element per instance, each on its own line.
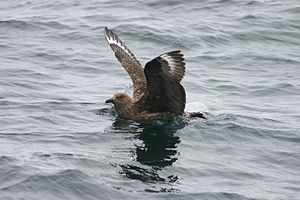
<point x="164" y="92"/>
<point x="129" y="62"/>
<point x="173" y="62"/>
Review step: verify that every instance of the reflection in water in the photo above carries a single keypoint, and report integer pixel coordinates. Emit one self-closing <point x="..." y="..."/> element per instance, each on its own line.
<point x="142" y="174"/>
<point x="157" y="150"/>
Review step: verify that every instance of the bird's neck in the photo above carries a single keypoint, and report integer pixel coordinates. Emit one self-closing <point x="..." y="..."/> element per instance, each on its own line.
<point x="127" y="111"/>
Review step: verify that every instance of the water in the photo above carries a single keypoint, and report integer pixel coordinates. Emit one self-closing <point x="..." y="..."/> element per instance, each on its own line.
<point x="58" y="140"/>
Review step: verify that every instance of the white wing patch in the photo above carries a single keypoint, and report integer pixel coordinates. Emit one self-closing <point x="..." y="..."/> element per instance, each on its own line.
<point x="176" y="63"/>
<point x="118" y="46"/>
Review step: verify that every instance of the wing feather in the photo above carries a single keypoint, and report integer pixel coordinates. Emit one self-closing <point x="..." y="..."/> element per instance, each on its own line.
<point x="174" y="64"/>
<point x="164" y="91"/>
<point x="129" y="62"/>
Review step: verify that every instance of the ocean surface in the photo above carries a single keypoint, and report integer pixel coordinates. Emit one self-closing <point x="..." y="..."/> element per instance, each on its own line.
<point x="59" y="140"/>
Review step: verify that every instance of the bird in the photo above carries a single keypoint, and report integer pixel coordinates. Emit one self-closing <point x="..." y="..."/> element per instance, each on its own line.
<point x="157" y="89"/>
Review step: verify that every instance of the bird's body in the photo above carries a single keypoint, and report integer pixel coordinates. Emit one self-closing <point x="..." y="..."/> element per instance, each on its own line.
<point x="128" y="109"/>
<point x="157" y="91"/>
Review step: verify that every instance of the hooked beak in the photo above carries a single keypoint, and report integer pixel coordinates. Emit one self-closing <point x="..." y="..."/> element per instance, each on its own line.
<point x="109" y="101"/>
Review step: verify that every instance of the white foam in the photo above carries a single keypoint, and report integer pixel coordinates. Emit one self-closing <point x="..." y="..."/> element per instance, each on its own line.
<point x="196" y="107"/>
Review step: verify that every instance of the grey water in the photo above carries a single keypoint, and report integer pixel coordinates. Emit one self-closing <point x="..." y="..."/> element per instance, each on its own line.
<point x="59" y="140"/>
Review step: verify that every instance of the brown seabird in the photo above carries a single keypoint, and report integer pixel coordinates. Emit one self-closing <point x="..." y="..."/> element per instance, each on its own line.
<point x="157" y="91"/>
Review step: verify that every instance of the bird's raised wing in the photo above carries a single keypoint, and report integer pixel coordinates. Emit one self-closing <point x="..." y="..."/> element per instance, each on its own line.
<point x="164" y="92"/>
<point x="173" y="62"/>
<point x="129" y="62"/>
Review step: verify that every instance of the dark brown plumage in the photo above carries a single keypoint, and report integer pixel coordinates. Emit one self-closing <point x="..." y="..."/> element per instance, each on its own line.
<point x="164" y="92"/>
<point x="156" y="89"/>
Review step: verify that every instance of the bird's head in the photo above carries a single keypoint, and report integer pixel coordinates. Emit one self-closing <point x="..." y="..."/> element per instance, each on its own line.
<point x="121" y="101"/>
